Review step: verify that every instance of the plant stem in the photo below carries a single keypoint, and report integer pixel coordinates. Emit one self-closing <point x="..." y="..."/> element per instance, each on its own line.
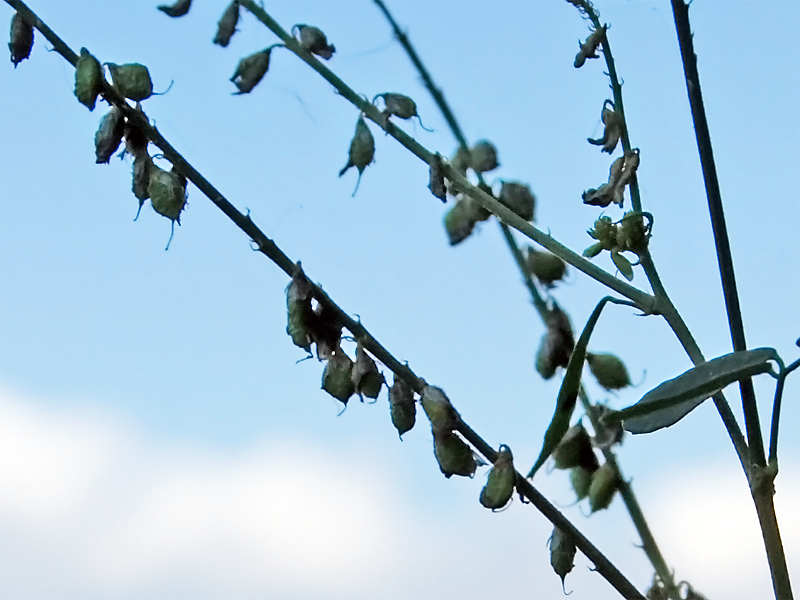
<point x="270" y="249"/>
<point x="776" y="412"/>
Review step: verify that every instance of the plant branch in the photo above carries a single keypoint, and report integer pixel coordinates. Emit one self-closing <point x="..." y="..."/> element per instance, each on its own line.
<point x="274" y="253"/>
<point x="776" y="412"/>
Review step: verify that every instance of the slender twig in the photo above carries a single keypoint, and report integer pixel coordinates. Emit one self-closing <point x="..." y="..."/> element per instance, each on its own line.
<point x="776" y="412"/>
<point x="272" y="251"/>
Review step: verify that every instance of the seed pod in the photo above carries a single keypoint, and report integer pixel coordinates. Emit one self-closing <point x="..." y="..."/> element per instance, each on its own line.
<point x="461" y="160"/>
<point x="608" y="192"/>
<point x="251" y="69"/>
<point x="544" y="363"/>
<point x="453" y="455"/>
<point x="562" y="553"/>
<point x="299" y="311"/>
<point x="606" y="433"/>
<point x="581" y="479"/>
<point x="545" y="266"/>
<point x="612" y="131"/>
<point x="480" y="213"/>
<point x="135" y="138"/>
<point x="459" y="220"/>
<point x="366" y="377"/>
<point x="21" y="39"/>
<point x="557" y="344"/>
<point x="167" y="193"/>
<point x="131" y="81"/>
<point x="109" y="135"/>
<point x="336" y="378"/>
<point x="362" y="150"/>
<point x="178" y="9"/>
<point x="437" y="184"/>
<point x="604" y="485"/>
<point x="226" y="26"/>
<point x="142" y="165"/>
<point x="326" y="331"/>
<point x="313" y="40"/>
<point x="589" y="48"/>
<point x="518" y="198"/>
<point x="437" y="406"/>
<point x="575" y="450"/>
<point x="500" y="481"/>
<point x="632" y="233"/>
<point x="483" y="157"/>
<point x="88" y="79"/>
<point x="609" y="371"/>
<point x="402" y="406"/>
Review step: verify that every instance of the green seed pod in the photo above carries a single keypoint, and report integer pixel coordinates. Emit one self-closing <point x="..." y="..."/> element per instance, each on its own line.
<point x="575" y="450"/>
<point x="178" y="9"/>
<point x="299" y="311"/>
<point x="604" y="485"/>
<point x="459" y="220"/>
<point x="336" y="378"/>
<point x="437" y="406"/>
<point x="226" y="26"/>
<point x="500" y="481"/>
<point x="131" y="81"/>
<point x="609" y="371"/>
<point x="437" y="184"/>
<point x="545" y="266"/>
<point x="556" y="345"/>
<point x="519" y="198"/>
<point x="21" y="39"/>
<point x="109" y="135"/>
<point x="461" y="160"/>
<point x="483" y="157"/>
<point x="544" y="362"/>
<point x="481" y="214"/>
<point x="251" y="69"/>
<point x="313" y="40"/>
<point x="453" y="455"/>
<point x="366" y="377"/>
<point x="167" y="190"/>
<point x="326" y="331"/>
<point x="142" y="165"/>
<point x="88" y="79"/>
<point x="562" y="553"/>
<point x="362" y="150"/>
<point x="581" y="479"/>
<point x="402" y="407"/>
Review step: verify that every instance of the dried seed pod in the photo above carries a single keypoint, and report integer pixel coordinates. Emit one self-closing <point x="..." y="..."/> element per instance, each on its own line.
<point x="437" y="184"/>
<point x="562" y="553"/>
<point x="608" y="192"/>
<point x="362" y="150"/>
<point x="88" y="79"/>
<point x="437" y="406"/>
<point x="606" y="434"/>
<point x="609" y="371"/>
<point x="131" y="81"/>
<point x="483" y="157"/>
<point x="251" y="69"/>
<point x="402" y="407"/>
<point x="453" y="455"/>
<point x="366" y="377"/>
<point x="500" y="481"/>
<point x="178" y="9"/>
<point x="326" y="331"/>
<point x="518" y="197"/>
<point x="557" y="343"/>
<point x="581" y="479"/>
<point x="459" y="221"/>
<point x="545" y="266"/>
<point x="300" y="314"/>
<point x="336" y="378"/>
<point x="604" y="485"/>
<point x="142" y="165"/>
<point x="612" y="131"/>
<point x="226" y="26"/>
<point x="313" y="40"/>
<point x="398" y="105"/>
<point x="167" y="193"/>
<point x="109" y="135"/>
<point x="21" y="39"/>
<point x="629" y="170"/>
<point x="589" y="48"/>
<point x="575" y="450"/>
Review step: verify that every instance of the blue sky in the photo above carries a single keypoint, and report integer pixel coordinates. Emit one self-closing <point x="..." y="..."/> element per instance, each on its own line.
<point x="159" y="438"/>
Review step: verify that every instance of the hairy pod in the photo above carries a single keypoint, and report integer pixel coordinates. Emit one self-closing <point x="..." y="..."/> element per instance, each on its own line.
<point x="402" y="407"/>
<point x="589" y="48"/>
<point x="459" y="221"/>
<point x="500" y="482"/>
<point x="109" y="135"/>
<point x="556" y="345"/>
<point x="167" y="192"/>
<point x="545" y="266"/>
<point x="483" y="157"/>
<point x="581" y="480"/>
<point x="313" y="40"/>
<point x="437" y="406"/>
<point x="178" y="9"/>
<point x="300" y="314"/>
<point x="461" y="160"/>
<point x="367" y="380"/>
<point x="562" y="553"/>
<point x="142" y="165"/>
<point x="609" y="371"/>
<point x="575" y="450"/>
<point x="20" y="39"/>
<point x="453" y="455"/>
<point x="518" y="197"/>
<point x="250" y="70"/>
<point x="88" y="79"/>
<point x="131" y="81"/>
<point x="336" y="378"/>
<point x="604" y="485"/>
<point x="226" y="26"/>
<point x="362" y="150"/>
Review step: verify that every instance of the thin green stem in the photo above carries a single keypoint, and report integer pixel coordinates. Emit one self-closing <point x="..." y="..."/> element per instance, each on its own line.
<point x="776" y="412"/>
<point x="460" y="183"/>
<point x="274" y="253"/>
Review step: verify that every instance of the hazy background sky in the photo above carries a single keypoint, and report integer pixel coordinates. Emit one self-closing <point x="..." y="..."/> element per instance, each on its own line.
<point x="158" y="438"/>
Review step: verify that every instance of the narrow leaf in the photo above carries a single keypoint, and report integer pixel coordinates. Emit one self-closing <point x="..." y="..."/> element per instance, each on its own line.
<point x="669" y="402"/>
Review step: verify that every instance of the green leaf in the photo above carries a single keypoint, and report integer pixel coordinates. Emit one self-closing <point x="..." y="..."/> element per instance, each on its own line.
<point x="669" y="402"/>
<point x="623" y="264"/>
